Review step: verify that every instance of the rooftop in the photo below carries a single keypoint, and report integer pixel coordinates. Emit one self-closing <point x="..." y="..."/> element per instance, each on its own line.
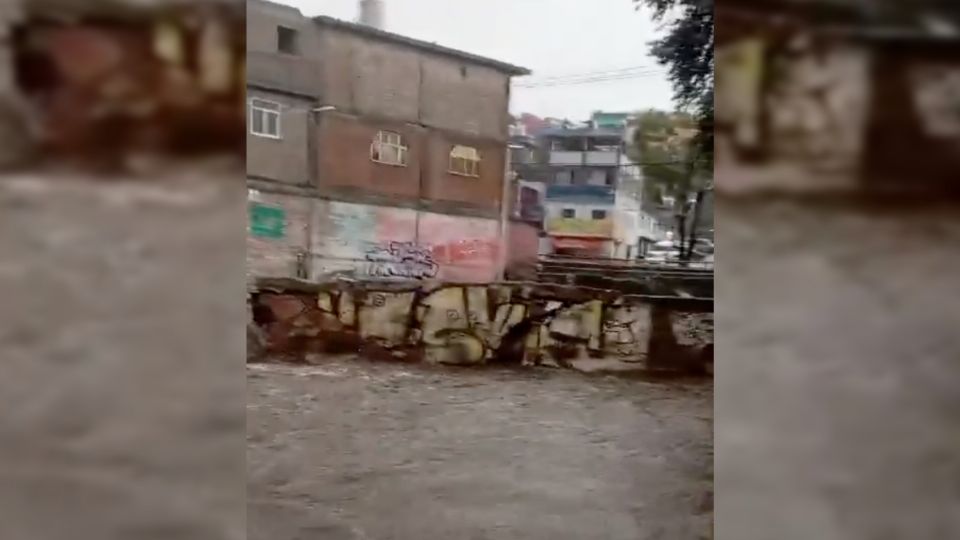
<point x="425" y="46"/>
<point x="582" y="132"/>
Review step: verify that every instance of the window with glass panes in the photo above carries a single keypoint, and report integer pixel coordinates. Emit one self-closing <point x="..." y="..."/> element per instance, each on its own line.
<point x="465" y="161"/>
<point x="265" y="118"/>
<point x="388" y="148"/>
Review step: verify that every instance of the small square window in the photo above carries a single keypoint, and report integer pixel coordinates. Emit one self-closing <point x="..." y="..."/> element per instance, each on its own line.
<point x="287" y="40"/>
<point x="599" y="214"/>
<point x="568" y="213"/>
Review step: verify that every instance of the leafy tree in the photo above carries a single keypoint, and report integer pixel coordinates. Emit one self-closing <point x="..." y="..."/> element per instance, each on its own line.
<point x="687" y="51"/>
<point x="666" y="150"/>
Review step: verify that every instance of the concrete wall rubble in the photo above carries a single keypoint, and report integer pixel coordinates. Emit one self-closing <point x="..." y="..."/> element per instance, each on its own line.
<point x="514" y="323"/>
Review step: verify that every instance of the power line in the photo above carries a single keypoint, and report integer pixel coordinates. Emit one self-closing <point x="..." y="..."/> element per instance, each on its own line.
<point x="591" y="80"/>
<point x="538" y="80"/>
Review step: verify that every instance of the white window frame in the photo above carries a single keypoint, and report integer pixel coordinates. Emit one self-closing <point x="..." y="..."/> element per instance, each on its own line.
<point x="265" y="107"/>
<point x="389" y="143"/>
<point x="573" y="212"/>
<point x="469" y="157"/>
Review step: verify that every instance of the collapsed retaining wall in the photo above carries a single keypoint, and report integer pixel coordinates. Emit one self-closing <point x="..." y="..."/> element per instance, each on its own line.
<point x="448" y="323"/>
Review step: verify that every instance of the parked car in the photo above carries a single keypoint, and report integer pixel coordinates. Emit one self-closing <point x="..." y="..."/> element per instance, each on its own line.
<point x="662" y="251"/>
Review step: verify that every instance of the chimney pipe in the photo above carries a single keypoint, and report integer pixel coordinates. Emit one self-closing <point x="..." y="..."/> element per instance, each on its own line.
<point x="372" y="13"/>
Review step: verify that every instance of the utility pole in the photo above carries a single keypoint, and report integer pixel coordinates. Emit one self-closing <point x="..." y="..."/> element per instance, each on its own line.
<point x="687" y="239"/>
<point x="681" y="207"/>
<point x="695" y="222"/>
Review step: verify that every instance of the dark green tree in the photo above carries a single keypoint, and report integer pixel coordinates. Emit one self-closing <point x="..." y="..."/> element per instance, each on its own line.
<point x="687" y="51"/>
<point x="667" y="157"/>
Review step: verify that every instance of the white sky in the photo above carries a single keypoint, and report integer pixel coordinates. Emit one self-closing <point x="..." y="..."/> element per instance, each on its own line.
<point x="553" y="38"/>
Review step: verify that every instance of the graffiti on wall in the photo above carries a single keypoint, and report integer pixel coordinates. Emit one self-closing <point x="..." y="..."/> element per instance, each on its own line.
<point x="457" y="324"/>
<point x="401" y="260"/>
<point x="466" y="248"/>
<point x="466" y="251"/>
<point x="267" y="221"/>
<point x="385" y="242"/>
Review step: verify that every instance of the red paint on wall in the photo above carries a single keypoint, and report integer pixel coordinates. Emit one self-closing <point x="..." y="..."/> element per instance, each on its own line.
<point x="466" y="251"/>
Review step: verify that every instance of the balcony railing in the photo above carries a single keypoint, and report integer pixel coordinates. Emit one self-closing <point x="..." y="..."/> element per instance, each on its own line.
<point x="591" y="193"/>
<point x="604" y="158"/>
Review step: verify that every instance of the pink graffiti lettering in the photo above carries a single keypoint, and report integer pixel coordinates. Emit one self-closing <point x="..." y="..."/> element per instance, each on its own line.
<point x="466" y="251"/>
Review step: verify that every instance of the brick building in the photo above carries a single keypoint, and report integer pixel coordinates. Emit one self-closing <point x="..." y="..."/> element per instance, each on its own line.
<point x="370" y="153"/>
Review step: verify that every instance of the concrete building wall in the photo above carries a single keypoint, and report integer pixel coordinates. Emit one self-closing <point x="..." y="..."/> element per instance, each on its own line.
<point x="369" y="77"/>
<point x="267" y="66"/>
<point x="276" y="254"/>
<point x="411" y="221"/>
<point x="524" y="249"/>
<point x="384" y="242"/>
<point x="284" y="159"/>
<point x="465" y="98"/>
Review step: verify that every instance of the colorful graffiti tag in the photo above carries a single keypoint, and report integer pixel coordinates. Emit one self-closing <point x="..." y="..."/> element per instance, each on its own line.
<point x="386" y="242"/>
<point x="456" y="324"/>
<point x="401" y="260"/>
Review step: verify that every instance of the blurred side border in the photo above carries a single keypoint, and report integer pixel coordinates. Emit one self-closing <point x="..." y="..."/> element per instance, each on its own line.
<point x="96" y="84"/>
<point x="838" y="97"/>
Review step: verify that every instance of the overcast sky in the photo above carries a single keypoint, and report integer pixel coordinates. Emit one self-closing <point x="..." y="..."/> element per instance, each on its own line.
<point x="553" y="38"/>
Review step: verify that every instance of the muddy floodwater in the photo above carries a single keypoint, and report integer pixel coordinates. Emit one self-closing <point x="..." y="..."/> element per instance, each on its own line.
<point x="355" y="450"/>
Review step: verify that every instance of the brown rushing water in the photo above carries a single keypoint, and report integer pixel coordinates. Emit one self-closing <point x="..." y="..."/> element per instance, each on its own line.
<point x="356" y="450"/>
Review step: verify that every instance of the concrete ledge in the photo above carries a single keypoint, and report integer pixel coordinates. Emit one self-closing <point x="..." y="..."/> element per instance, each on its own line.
<point x="468" y="324"/>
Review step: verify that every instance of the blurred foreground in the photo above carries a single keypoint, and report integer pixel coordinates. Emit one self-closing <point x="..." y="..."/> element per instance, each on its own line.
<point x="838" y="378"/>
<point x="120" y="333"/>
<point x="103" y="82"/>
